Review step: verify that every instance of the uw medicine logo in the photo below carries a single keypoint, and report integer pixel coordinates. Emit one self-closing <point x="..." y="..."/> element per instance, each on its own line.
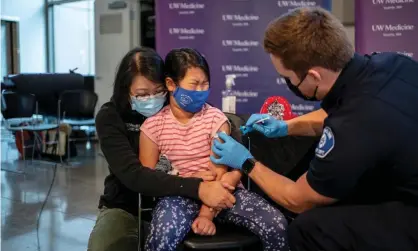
<point x="240" y="45"/>
<point x="392" y="4"/>
<point x="295" y="4"/>
<point x="393" y="30"/>
<point x="240" y="20"/>
<point x="326" y="143"/>
<point x="281" y="81"/>
<point x="240" y="70"/>
<point x="186" y="33"/>
<point x="186" y="8"/>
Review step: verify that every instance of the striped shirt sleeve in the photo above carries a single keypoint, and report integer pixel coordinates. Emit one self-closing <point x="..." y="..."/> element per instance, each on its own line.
<point x="151" y="127"/>
<point x="219" y="119"/>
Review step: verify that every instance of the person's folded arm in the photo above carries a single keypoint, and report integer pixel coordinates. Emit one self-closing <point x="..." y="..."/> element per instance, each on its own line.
<point x="125" y="165"/>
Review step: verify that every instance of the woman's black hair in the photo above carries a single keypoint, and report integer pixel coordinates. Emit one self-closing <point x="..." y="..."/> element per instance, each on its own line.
<point x="178" y="61"/>
<point x="140" y="61"/>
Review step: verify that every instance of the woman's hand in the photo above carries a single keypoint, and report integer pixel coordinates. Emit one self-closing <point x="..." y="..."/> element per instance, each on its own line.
<point x="216" y="194"/>
<point x="205" y="175"/>
<point x="203" y="226"/>
<point x="232" y="178"/>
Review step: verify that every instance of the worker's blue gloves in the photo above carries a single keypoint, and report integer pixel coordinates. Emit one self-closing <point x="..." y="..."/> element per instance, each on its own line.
<point x="230" y="152"/>
<point x="271" y="127"/>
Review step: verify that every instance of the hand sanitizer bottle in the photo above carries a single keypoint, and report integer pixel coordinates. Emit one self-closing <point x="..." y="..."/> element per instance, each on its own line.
<point x="228" y="99"/>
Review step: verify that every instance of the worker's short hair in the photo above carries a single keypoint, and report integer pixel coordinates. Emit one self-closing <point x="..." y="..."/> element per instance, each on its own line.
<point x="307" y="37"/>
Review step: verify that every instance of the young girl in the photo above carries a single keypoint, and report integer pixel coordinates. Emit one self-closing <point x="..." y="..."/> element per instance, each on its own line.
<point x="183" y="133"/>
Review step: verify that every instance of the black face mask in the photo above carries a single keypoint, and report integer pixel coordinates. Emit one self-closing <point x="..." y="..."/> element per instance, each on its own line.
<point x="297" y="92"/>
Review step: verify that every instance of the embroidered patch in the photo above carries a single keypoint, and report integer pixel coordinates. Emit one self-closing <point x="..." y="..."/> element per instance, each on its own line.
<point x="132" y="127"/>
<point x="326" y="144"/>
<point x="185" y="99"/>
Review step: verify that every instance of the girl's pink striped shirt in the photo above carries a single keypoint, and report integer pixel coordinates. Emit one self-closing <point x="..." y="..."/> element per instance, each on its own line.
<point x="186" y="146"/>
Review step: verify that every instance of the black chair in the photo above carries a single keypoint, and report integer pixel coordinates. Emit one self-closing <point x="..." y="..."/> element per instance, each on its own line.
<point x="227" y="236"/>
<point x="76" y="108"/>
<point x="18" y="107"/>
<point x="18" y="112"/>
<point x="47" y="88"/>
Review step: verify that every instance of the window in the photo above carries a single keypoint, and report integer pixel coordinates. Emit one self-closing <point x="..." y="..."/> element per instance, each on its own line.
<point x="4" y="59"/>
<point x="72" y="28"/>
<point x="9" y="48"/>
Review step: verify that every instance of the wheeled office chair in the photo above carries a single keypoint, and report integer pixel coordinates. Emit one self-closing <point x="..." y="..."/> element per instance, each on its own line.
<point x="18" y="113"/>
<point x="76" y="108"/>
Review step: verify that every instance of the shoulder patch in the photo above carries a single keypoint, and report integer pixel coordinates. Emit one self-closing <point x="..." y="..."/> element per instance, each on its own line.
<point x="326" y="144"/>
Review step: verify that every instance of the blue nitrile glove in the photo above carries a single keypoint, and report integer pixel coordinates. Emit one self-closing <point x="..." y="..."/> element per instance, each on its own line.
<point x="230" y="153"/>
<point x="271" y="128"/>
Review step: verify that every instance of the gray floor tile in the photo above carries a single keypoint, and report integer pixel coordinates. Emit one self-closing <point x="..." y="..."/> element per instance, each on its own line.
<point x="70" y="211"/>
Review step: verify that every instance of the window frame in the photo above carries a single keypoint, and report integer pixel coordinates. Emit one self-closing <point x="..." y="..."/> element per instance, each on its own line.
<point x="50" y="25"/>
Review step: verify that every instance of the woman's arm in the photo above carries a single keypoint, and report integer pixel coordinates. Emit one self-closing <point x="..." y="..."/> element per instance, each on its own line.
<point x="125" y="165"/>
<point x="310" y="124"/>
<point x="148" y="151"/>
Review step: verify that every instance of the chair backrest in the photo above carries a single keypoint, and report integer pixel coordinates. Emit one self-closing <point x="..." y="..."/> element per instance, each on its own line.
<point x="236" y="122"/>
<point x="47" y="87"/>
<point x="79" y="104"/>
<point x="18" y="105"/>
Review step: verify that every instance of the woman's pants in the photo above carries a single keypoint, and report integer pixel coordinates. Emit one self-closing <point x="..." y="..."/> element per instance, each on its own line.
<point x="115" y="230"/>
<point x="173" y="217"/>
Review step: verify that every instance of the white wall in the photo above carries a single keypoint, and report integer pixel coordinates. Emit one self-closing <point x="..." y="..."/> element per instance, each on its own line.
<point x="351" y="33"/>
<point x="344" y="10"/>
<point x="110" y="30"/>
<point x="32" y="32"/>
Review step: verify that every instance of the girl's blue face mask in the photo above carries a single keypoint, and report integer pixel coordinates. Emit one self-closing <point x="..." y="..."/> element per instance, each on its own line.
<point x="190" y="101"/>
<point x="149" y="106"/>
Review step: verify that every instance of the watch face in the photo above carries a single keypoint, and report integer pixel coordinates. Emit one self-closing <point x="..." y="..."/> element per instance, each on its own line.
<point x="248" y="165"/>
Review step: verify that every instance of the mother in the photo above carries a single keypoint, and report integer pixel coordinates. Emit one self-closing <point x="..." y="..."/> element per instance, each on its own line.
<point x="138" y="82"/>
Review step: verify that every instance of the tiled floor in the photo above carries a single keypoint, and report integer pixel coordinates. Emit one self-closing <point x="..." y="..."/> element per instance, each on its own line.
<point x="70" y="211"/>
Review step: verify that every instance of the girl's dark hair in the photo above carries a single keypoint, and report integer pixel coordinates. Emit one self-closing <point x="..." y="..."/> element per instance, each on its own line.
<point x="178" y="61"/>
<point x="140" y="61"/>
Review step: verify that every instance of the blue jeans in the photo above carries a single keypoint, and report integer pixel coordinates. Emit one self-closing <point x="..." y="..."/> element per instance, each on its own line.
<point x="173" y="217"/>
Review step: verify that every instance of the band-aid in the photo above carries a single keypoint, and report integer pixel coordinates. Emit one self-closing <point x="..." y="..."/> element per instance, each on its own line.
<point x="217" y="136"/>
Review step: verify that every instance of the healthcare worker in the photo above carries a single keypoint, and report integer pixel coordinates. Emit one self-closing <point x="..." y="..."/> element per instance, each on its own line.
<point x="361" y="189"/>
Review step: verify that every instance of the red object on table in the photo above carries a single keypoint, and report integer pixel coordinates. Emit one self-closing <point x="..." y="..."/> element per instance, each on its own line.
<point x="278" y="107"/>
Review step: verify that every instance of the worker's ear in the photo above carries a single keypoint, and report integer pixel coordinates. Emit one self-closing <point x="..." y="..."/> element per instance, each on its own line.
<point x="171" y="86"/>
<point x="315" y="75"/>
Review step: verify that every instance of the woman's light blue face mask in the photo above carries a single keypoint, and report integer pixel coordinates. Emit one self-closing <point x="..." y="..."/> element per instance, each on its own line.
<point x="149" y="106"/>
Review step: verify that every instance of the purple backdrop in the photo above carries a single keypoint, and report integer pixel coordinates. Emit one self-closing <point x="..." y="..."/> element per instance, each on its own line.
<point x="230" y="34"/>
<point x="387" y="25"/>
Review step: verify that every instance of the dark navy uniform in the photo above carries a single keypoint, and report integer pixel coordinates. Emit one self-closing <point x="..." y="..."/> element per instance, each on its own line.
<point x="367" y="158"/>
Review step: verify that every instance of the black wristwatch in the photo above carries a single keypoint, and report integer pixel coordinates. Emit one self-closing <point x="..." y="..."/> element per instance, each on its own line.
<point x="248" y="165"/>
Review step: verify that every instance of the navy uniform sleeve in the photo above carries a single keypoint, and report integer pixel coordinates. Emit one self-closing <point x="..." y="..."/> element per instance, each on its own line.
<point x="351" y="143"/>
